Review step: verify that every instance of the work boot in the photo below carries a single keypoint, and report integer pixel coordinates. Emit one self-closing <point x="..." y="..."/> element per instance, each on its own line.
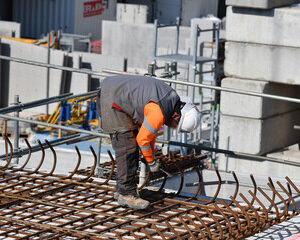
<point x="133" y="201"/>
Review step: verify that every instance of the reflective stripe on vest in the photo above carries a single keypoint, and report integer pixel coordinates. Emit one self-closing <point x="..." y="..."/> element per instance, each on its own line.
<point x="146" y="148"/>
<point x="148" y="126"/>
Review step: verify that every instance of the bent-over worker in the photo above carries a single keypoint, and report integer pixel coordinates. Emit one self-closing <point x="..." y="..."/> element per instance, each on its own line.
<point x="132" y="109"/>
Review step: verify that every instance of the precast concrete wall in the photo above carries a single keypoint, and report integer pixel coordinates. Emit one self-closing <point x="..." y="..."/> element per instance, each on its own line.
<point x="137" y="46"/>
<point x="28" y="81"/>
<point x="260" y="4"/>
<point x="262" y="55"/>
<point x="241" y="105"/>
<point x="95" y="62"/>
<point x="10" y="29"/>
<point x="272" y="63"/>
<point x="132" y="13"/>
<point x="135" y="42"/>
<point x="259" y="136"/>
<point x="278" y="26"/>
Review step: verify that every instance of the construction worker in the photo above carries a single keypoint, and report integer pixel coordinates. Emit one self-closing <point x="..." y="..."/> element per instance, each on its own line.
<point x="132" y="109"/>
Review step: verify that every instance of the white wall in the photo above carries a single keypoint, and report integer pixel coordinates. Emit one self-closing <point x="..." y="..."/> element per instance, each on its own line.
<point x="92" y="24"/>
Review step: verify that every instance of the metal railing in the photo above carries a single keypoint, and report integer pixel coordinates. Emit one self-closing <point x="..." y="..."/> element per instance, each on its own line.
<point x="106" y="73"/>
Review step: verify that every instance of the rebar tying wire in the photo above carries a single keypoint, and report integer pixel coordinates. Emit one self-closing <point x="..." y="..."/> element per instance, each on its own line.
<point x="39" y="205"/>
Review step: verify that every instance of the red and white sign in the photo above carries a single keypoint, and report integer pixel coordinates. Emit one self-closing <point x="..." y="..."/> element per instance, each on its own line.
<point x="92" y="8"/>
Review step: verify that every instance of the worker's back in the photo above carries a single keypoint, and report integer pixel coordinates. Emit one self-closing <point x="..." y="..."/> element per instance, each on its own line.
<point x="130" y="94"/>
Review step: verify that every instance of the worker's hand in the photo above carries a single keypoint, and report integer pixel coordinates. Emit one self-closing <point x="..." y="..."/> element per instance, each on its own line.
<point x="154" y="166"/>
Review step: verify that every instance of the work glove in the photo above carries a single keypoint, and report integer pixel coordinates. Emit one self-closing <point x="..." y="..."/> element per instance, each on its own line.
<point x="154" y="166"/>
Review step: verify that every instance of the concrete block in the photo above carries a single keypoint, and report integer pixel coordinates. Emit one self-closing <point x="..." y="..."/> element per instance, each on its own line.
<point x="259" y="136"/>
<point x="261" y="4"/>
<point x="137" y="47"/>
<point x="10" y="29"/>
<point x="257" y="107"/>
<point x="263" y="62"/>
<point x="279" y="26"/>
<point x="132" y="13"/>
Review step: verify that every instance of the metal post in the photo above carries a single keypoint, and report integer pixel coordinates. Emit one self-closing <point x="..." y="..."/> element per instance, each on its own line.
<point x="184" y="140"/>
<point x="16" y="129"/>
<point x="99" y="170"/>
<point x="212" y="128"/>
<point x="174" y="71"/>
<point x="227" y="157"/>
<point x="166" y="147"/>
<point x="201" y="109"/>
<point x="177" y="35"/>
<point x="48" y="72"/>
<point x="196" y="31"/>
<point x="125" y="64"/>
<point x="143" y="172"/>
<point x="155" y="39"/>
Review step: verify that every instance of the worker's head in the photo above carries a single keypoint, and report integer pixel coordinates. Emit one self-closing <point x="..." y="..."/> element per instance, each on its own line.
<point x="190" y="118"/>
<point x="174" y="120"/>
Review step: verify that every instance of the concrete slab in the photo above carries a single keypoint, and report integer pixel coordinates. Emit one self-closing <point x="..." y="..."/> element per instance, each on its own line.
<point x="259" y="136"/>
<point x="263" y="62"/>
<point x="279" y="26"/>
<point x="256" y="107"/>
<point x="261" y="4"/>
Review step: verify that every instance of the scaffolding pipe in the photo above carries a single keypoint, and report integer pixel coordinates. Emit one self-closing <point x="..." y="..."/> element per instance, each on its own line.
<point x="229" y="153"/>
<point x="105" y="74"/>
<point x="41" y="102"/>
<point x="199" y="146"/>
<point x="255" y="94"/>
<point x="54" y="126"/>
<point x="16" y="129"/>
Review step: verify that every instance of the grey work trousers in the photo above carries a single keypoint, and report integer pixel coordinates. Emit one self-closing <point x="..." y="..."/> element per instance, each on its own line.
<point x="127" y="158"/>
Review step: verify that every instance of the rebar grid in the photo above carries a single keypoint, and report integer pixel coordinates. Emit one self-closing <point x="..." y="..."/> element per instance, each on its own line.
<point x="38" y="205"/>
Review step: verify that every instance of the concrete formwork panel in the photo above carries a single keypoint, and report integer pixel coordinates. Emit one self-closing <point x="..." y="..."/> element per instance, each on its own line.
<point x="263" y="62"/>
<point x="257" y="107"/>
<point x="94" y="62"/>
<point x="279" y="26"/>
<point x="137" y="46"/>
<point x="132" y="13"/>
<point x="261" y="4"/>
<point x="27" y="81"/>
<point x="259" y="136"/>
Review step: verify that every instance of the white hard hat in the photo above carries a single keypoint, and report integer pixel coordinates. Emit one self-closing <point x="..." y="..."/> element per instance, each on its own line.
<point x="190" y="118"/>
